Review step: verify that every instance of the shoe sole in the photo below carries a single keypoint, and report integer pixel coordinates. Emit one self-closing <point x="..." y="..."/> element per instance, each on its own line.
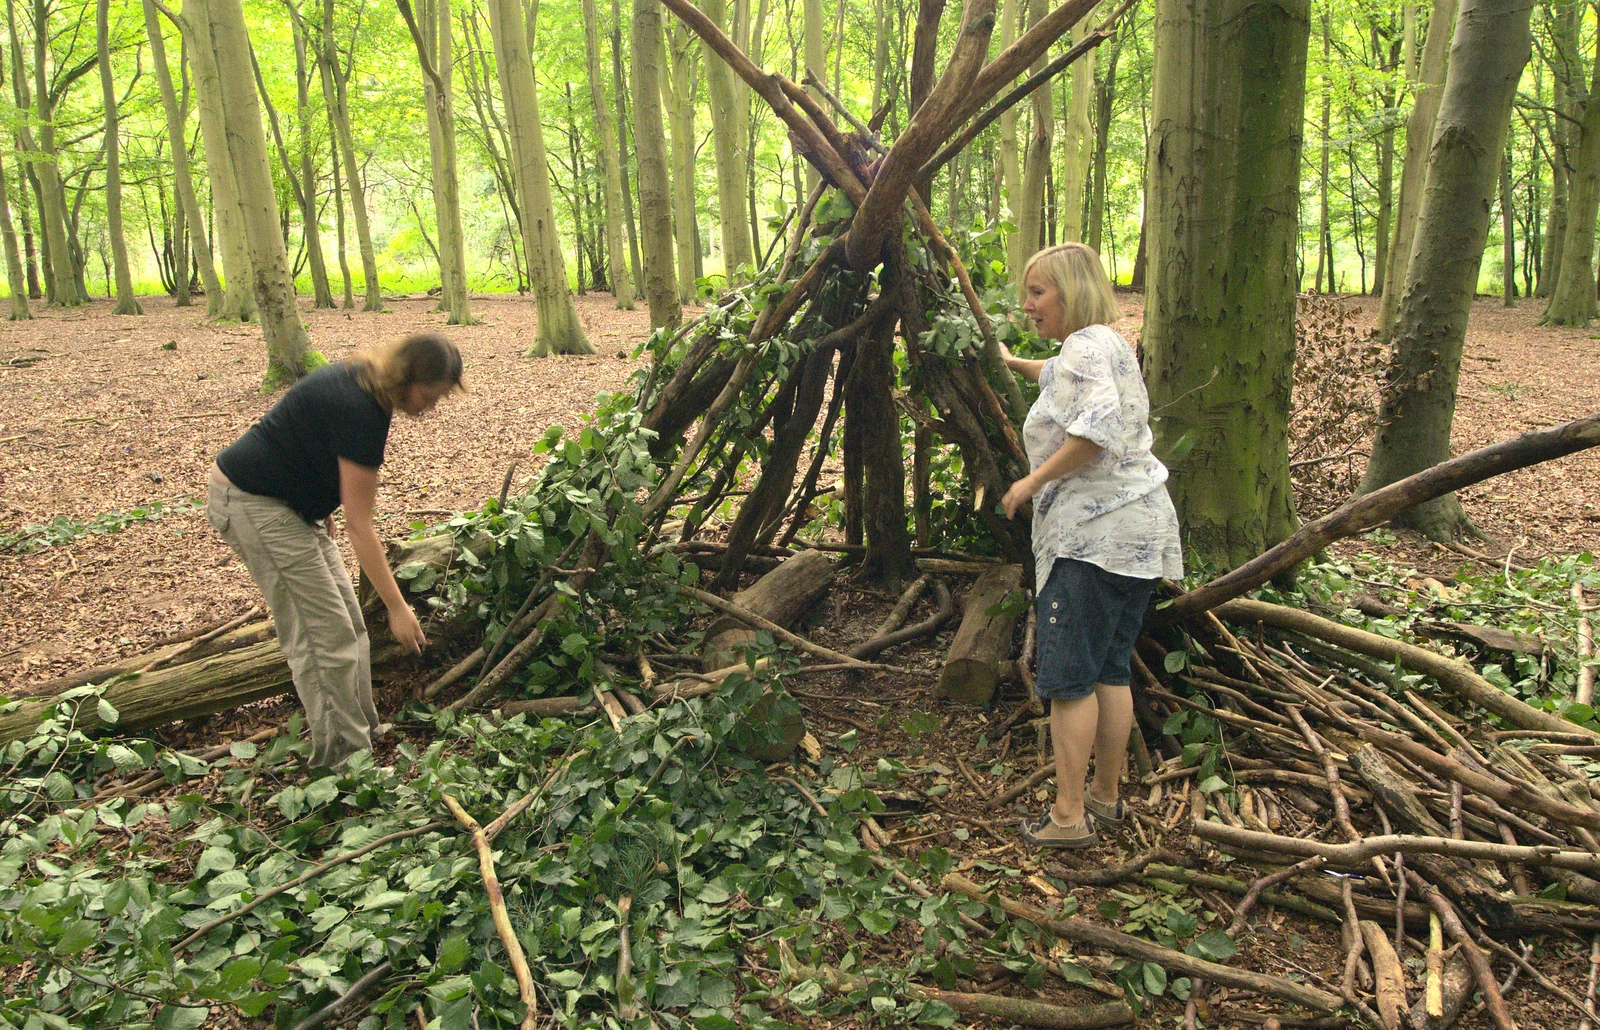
<point x="1094" y="808"/>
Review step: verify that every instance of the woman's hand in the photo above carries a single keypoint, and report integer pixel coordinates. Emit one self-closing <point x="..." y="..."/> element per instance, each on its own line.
<point x="1021" y="493"/>
<point x="406" y="629"/>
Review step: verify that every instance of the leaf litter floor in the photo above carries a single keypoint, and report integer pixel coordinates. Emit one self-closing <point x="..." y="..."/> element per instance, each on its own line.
<point x="96" y="417"/>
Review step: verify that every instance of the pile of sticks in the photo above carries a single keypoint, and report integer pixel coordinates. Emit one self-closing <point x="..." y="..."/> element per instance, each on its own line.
<point x="1397" y="810"/>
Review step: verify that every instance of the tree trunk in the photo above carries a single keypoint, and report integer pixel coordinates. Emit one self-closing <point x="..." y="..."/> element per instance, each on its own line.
<point x="439" y="93"/>
<point x="338" y="214"/>
<point x="728" y="138"/>
<point x="1572" y="301"/>
<point x="1324" y="232"/>
<point x="1010" y="160"/>
<point x="650" y="145"/>
<point x="238" y="298"/>
<point x="681" y="117"/>
<point x="1105" y="96"/>
<point x="610" y="166"/>
<point x="1508" y="236"/>
<point x="635" y="265"/>
<point x="61" y="279"/>
<point x="1419" y="399"/>
<point x="247" y="153"/>
<point x="302" y="184"/>
<point x="1419" y="140"/>
<point x="1079" y="141"/>
<point x="310" y="221"/>
<point x="335" y="93"/>
<point x="1566" y="68"/>
<point x="1219" y="332"/>
<point x="127" y="303"/>
<point x="1380" y="265"/>
<point x="16" y="276"/>
<point x="870" y="408"/>
<point x="177" y="139"/>
<point x="559" y="329"/>
<point x="1036" y="160"/>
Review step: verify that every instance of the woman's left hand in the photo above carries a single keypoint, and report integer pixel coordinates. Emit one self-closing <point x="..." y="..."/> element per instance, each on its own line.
<point x="1021" y="493"/>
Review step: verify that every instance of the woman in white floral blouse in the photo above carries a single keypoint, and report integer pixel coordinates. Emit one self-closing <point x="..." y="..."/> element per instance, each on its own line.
<point x="1104" y="531"/>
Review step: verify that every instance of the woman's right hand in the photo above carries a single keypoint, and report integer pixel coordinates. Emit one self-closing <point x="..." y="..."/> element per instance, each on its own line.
<point x="406" y="629"/>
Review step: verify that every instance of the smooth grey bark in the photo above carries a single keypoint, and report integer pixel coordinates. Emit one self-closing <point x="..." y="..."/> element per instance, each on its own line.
<point x="559" y="331"/>
<point x="655" y="199"/>
<point x="238" y="293"/>
<point x="1010" y="160"/>
<point x="127" y="303"/>
<point x="302" y="183"/>
<point x="681" y="118"/>
<point x="1572" y="301"/>
<point x="16" y="276"/>
<point x="610" y="165"/>
<point x="1490" y="49"/>
<point x="1508" y="235"/>
<point x="1419" y="139"/>
<point x="728" y="143"/>
<point x="335" y="91"/>
<point x="1222" y="232"/>
<point x="435" y="53"/>
<point x="287" y="344"/>
<point x="620" y="88"/>
<point x="182" y="176"/>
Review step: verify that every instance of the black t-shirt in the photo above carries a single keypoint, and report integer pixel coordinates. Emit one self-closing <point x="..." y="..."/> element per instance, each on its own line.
<point x="293" y="452"/>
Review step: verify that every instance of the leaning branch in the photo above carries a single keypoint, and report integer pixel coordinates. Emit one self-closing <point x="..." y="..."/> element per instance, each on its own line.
<point x="1359" y="852"/>
<point x="1371" y="509"/>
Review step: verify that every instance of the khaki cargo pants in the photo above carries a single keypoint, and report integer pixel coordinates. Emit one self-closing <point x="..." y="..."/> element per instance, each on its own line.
<point x="314" y="607"/>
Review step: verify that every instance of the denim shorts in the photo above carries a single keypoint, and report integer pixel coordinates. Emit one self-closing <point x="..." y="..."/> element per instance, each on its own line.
<point x="1088" y="620"/>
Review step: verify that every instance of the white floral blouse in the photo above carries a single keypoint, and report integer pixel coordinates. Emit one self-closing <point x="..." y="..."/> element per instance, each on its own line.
<point x="1113" y="512"/>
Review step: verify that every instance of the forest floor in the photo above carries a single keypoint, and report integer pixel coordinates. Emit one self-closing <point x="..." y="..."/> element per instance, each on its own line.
<point x="107" y="421"/>
<point x="96" y="418"/>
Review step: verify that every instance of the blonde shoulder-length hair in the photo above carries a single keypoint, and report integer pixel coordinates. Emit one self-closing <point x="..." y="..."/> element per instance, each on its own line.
<point x="1080" y="280"/>
<point x="388" y="370"/>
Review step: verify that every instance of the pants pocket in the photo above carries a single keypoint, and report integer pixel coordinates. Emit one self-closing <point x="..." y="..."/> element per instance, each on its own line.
<point x="217" y="515"/>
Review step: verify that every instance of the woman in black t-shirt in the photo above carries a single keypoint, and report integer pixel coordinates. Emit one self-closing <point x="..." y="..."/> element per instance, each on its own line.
<point x="271" y="497"/>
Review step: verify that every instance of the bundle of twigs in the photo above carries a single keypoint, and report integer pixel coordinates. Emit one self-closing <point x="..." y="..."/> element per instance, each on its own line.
<point x="1413" y="819"/>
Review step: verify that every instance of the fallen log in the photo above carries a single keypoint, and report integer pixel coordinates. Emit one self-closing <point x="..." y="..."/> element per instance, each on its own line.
<point x="1456" y="986"/>
<point x="1356" y="854"/>
<point x="972" y="671"/>
<point x="778" y="599"/>
<point x="1388" y="976"/>
<point x="1453" y="674"/>
<point x="1082" y="932"/>
<point x="183" y="646"/>
<point x="1370" y="510"/>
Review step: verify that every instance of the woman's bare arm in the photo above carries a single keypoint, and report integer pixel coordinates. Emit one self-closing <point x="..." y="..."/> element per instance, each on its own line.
<point x="358" y="492"/>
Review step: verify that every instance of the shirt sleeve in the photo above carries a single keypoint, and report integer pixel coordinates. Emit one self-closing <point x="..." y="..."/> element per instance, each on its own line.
<point x="360" y="429"/>
<point x="1080" y="391"/>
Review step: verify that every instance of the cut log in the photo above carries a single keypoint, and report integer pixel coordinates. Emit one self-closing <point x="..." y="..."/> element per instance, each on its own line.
<point x="1388" y="977"/>
<point x="249" y="633"/>
<point x="781" y="596"/>
<point x="983" y="642"/>
<point x="187" y="691"/>
<point x="1453" y="674"/>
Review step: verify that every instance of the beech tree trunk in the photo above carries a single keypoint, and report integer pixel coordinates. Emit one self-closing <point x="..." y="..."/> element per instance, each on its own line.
<point x="1324" y="233"/>
<point x="247" y="153"/>
<point x="1036" y="159"/>
<point x="650" y="145"/>
<point x="1491" y="48"/>
<point x="310" y="221"/>
<point x="1010" y="161"/>
<point x="1106" y="96"/>
<point x="729" y="144"/>
<point x="1572" y="301"/>
<point x="431" y="34"/>
<point x="183" y="181"/>
<point x="1566" y="70"/>
<point x="238" y="299"/>
<point x="610" y="166"/>
<point x="559" y="329"/>
<point x="127" y="303"/>
<point x="620" y="87"/>
<point x="1079" y="144"/>
<point x="61" y="273"/>
<point x="681" y="117"/>
<point x="1221" y="225"/>
<point x="335" y="93"/>
<point x="1508" y="236"/>
<point x="1419" y="139"/>
<point x="16" y="275"/>
<point x="816" y="58"/>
